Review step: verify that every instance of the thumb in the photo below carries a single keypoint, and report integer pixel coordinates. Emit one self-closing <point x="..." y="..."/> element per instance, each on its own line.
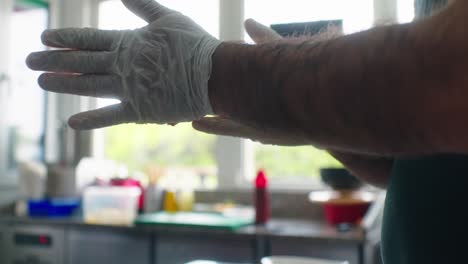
<point x="223" y="127"/>
<point x="260" y="33"/>
<point x="149" y="10"/>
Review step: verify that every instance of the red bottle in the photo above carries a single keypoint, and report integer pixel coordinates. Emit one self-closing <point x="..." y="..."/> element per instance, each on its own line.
<point x="262" y="205"/>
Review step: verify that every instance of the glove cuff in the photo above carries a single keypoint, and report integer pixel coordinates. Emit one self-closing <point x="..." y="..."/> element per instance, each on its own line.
<point x="203" y="64"/>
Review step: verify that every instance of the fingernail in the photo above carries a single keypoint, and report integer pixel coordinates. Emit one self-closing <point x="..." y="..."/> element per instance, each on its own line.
<point x="46" y="37"/>
<point x="46" y="33"/>
<point x="51" y="38"/>
<point x="34" y="60"/>
<point x="75" y="123"/>
<point x="42" y="80"/>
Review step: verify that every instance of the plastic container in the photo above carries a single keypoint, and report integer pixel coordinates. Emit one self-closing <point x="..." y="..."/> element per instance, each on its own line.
<point x="131" y="183"/>
<point x="54" y="208"/>
<point x="111" y="205"/>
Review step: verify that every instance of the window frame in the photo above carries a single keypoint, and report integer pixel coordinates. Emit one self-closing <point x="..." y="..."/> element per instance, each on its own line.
<point x="235" y="168"/>
<point x="9" y="176"/>
<point x="6" y="8"/>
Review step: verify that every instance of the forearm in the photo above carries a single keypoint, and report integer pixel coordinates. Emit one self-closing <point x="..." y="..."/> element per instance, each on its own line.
<point x="373" y="170"/>
<point x="397" y="90"/>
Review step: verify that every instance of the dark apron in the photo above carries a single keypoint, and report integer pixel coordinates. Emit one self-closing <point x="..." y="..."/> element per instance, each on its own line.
<point x="425" y="212"/>
<point x="426" y="202"/>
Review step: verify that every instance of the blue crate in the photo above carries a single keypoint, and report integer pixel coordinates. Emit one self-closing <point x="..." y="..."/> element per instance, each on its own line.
<point x="53" y="207"/>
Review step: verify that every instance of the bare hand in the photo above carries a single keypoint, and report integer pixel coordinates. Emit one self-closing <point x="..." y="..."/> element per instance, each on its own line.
<point x="227" y="127"/>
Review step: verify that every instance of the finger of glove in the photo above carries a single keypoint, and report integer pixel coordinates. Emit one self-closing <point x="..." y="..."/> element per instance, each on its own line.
<point x="260" y="33"/>
<point x="80" y="38"/>
<point x="148" y="10"/>
<point x="105" y="86"/>
<point x="104" y="117"/>
<point x="71" y="61"/>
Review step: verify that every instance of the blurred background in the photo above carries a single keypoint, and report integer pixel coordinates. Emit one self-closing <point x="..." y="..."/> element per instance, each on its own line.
<point x="34" y="121"/>
<point x="40" y="155"/>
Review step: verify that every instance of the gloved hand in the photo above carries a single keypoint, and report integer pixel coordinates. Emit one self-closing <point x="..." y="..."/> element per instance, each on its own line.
<point x="159" y="72"/>
<point x="226" y="127"/>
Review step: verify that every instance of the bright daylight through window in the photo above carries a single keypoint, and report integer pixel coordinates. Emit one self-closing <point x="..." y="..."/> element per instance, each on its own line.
<point x="20" y="95"/>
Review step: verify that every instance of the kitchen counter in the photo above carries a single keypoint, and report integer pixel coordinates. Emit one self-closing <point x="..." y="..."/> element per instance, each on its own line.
<point x="76" y="242"/>
<point x="287" y="228"/>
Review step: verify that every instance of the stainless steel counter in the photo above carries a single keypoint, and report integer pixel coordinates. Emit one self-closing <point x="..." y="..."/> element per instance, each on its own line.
<point x="78" y="242"/>
<point x="290" y="228"/>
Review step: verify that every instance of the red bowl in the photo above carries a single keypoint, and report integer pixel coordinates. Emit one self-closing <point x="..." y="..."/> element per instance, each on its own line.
<point x="344" y="213"/>
<point x="343" y="206"/>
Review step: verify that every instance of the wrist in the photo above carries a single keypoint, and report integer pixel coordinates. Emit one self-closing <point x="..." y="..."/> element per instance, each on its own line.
<point x="247" y="84"/>
<point x="215" y="81"/>
<point x="225" y="76"/>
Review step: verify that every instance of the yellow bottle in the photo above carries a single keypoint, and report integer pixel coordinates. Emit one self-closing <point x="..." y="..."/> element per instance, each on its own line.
<point x="170" y="202"/>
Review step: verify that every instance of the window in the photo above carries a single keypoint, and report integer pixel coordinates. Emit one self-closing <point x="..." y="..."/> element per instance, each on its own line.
<point x="302" y="164"/>
<point x="356" y="15"/>
<point x="23" y="101"/>
<point x="405" y="11"/>
<point x="181" y="151"/>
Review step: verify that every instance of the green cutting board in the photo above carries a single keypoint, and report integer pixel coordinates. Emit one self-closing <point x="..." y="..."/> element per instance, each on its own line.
<point x="185" y="219"/>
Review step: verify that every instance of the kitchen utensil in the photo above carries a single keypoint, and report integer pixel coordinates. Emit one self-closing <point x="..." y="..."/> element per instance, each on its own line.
<point x="60" y="181"/>
<point x="153" y="198"/>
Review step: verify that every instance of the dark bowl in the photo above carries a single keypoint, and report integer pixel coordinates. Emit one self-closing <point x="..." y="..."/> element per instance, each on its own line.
<point x="339" y="179"/>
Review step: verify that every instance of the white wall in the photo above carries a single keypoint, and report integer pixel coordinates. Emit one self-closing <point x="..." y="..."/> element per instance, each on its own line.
<point x="5" y="12"/>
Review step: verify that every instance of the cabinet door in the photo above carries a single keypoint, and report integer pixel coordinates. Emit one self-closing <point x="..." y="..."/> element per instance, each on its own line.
<point x="108" y="247"/>
<point x="34" y="244"/>
<point x="181" y="249"/>
<point x="2" y="244"/>
<point x="324" y="249"/>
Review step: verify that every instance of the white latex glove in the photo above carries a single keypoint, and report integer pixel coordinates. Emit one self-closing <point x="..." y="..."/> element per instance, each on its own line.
<point x="226" y="127"/>
<point x="159" y="72"/>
